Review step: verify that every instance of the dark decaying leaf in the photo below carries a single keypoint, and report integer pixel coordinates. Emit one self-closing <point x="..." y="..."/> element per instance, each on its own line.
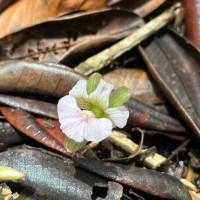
<point x="8" y="135"/>
<point x="37" y="11"/>
<point x="24" y="122"/>
<point x="50" y="177"/>
<point x="149" y="181"/>
<point x="174" y="63"/>
<point x="140" y="7"/>
<point x="146" y="116"/>
<point x="51" y="79"/>
<point x="192" y="20"/>
<point x="34" y="106"/>
<point x="51" y="40"/>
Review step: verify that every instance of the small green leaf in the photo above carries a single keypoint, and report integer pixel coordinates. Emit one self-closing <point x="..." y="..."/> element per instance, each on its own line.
<point x="93" y="82"/>
<point x="119" y="97"/>
<point x="8" y="173"/>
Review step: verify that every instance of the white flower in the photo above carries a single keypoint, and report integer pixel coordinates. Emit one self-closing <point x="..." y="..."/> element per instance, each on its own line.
<point x="85" y="113"/>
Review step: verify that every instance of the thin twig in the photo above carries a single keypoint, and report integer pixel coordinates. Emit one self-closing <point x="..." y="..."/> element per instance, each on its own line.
<point x="177" y="150"/>
<point x="133" y="154"/>
<point x="122" y="141"/>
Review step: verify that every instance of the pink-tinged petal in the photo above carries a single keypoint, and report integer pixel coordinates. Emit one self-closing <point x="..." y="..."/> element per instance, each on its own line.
<point x="75" y="132"/>
<point x="97" y="129"/>
<point x="118" y="115"/>
<point x="69" y="115"/>
<point x="79" y="90"/>
<point x="73" y="128"/>
<point x="67" y="107"/>
<point x="79" y="124"/>
<point x="101" y="95"/>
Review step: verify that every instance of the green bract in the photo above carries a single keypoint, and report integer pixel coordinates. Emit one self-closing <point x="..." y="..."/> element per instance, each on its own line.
<point x="93" y="82"/>
<point x="119" y="97"/>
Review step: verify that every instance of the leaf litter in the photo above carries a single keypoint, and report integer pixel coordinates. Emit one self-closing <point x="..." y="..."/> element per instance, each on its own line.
<point x="76" y="38"/>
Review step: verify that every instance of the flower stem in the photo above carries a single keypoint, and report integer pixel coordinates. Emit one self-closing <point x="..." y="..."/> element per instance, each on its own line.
<point x="73" y="146"/>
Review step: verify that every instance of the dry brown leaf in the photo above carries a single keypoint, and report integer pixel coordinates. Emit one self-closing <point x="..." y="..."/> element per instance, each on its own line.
<point x="25" y="13"/>
<point x="139" y="82"/>
<point x="140" y="7"/>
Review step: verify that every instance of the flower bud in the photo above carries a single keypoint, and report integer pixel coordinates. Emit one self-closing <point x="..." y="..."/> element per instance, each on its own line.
<point x="7" y="173"/>
<point x="93" y="82"/>
<point x="119" y="97"/>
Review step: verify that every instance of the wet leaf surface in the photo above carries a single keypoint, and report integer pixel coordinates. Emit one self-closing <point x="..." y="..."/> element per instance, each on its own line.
<point x="150" y="181"/>
<point x="50" y="177"/>
<point x="176" y="69"/>
<point x="24" y="122"/>
<point x="38" y="11"/>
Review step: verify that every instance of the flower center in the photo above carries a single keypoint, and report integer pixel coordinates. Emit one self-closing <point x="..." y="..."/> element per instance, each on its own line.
<point x="98" y="112"/>
<point x="86" y="114"/>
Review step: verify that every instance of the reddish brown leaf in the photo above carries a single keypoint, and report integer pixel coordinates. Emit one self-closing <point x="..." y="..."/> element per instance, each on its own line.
<point x="141" y="86"/>
<point x="25" y="13"/>
<point x="24" y="122"/>
<point x="174" y="63"/>
<point x="49" y="79"/>
<point x="52" y="128"/>
<point x="149" y="181"/>
<point x="192" y="20"/>
<point x="140" y="7"/>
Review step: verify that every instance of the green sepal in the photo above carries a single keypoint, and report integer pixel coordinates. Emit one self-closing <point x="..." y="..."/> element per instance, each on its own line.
<point x="8" y="173"/>
<point x="119" y="97"/>
<point x="93" y="82"/>
<point x="73" y="146"/>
